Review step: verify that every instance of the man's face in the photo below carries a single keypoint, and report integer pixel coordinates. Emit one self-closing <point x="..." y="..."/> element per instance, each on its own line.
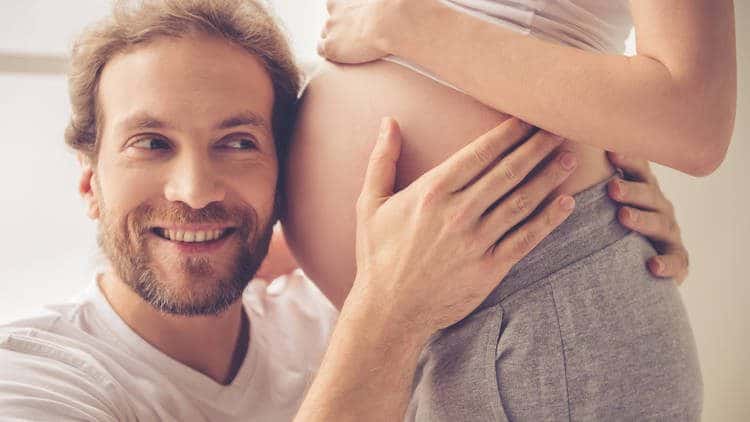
<point x="185" y="180"/>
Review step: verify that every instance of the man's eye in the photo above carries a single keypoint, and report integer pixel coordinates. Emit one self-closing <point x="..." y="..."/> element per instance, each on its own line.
<point x="151" y="144"/>
<point x="239" y="143"/>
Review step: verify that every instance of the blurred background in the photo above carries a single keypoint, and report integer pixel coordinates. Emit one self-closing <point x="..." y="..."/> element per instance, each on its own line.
<point x="50" y="248"/>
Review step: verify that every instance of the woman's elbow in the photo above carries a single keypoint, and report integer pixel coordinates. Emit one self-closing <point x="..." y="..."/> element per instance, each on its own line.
<point x="708" y="149"/>
<point x="703" y="164"/>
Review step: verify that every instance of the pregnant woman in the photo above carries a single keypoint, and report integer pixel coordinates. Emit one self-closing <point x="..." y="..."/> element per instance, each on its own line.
<point x="579" y="329"/>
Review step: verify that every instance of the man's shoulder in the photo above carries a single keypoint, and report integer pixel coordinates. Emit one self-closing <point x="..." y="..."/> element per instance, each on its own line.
<point x="50" y="343"/>
<point x="49" y="364"/>
<point x="46" y="373"/>
<point x="53" y="332"/>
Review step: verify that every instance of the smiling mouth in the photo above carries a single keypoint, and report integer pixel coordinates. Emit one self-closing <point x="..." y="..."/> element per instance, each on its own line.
<point x="197" y="236"/>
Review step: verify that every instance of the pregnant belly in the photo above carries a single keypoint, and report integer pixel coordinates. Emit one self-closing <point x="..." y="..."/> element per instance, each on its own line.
<point x="337" y="126"/>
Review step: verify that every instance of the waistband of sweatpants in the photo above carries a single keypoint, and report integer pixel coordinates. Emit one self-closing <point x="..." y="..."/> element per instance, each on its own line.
<point x="591" y="227"/>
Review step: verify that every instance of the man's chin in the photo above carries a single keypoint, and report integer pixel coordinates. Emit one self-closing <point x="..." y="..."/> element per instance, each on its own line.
<point x="191" y="294"/>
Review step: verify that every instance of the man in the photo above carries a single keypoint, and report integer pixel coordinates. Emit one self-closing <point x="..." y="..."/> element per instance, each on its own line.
<point x="180" y="111"/>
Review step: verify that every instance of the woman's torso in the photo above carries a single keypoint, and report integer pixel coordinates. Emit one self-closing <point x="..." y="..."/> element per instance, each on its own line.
<point x="337" y="126"/>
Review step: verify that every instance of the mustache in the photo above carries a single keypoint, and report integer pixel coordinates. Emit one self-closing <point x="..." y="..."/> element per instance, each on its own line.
<point x="147" y="216"/>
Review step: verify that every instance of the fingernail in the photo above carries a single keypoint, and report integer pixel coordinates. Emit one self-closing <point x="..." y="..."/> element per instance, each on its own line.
<point x="384" y="123"/>
<point x="658" y="265"/>
<point x="631" y="215"/>
<point x="568" y="161"/>
<point x="567" y="203"/>
<point x="620" y="188"/>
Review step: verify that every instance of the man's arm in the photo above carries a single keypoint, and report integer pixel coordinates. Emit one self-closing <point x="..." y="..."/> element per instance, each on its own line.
<point x="427" y="256"/>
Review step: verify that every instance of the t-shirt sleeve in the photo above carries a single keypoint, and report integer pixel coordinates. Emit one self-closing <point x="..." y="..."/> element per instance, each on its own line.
<point x="38" y="388"/>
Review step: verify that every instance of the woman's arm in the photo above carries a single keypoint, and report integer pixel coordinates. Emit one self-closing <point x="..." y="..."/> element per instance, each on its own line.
<point x="672" y="103"/>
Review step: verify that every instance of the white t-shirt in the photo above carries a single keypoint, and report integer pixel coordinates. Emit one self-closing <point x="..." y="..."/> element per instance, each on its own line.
<point x="79" y="361"/>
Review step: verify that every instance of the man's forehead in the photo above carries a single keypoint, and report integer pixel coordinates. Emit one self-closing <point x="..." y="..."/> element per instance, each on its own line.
<point x="201" y="80"/>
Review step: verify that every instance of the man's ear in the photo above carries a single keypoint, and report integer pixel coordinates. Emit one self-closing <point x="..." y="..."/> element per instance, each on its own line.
<point x="86" y="186"/>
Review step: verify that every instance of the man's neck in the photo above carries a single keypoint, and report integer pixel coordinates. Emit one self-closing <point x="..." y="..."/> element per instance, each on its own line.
<point x="213" y="345"/>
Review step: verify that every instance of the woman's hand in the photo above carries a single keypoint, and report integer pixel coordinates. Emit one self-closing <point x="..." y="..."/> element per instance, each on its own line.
<point x="647" y="211"/>
<point x="356" y="30"/>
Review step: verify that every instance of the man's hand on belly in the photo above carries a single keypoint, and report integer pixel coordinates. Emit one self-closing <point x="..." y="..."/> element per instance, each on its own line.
<point x="435" y="250"/>
<point x="430" y="254"/>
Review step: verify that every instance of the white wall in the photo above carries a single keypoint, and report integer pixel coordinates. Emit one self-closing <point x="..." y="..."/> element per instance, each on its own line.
<point x="49" y="244"/>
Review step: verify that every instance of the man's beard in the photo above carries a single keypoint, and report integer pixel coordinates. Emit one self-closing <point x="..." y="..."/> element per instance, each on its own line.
<point x="207" y="293"/>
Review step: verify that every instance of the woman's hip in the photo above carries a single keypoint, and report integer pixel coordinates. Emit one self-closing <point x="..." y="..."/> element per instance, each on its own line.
<point x="579" y="330"/>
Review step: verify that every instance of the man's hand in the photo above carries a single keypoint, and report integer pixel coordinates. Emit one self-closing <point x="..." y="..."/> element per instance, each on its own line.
<point x="429" y="255"/>
<point x="434" y="251"/>
<point x="647" y="211"/>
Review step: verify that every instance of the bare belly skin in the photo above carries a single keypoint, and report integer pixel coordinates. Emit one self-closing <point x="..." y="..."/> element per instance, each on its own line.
<point x="338" y="123"/>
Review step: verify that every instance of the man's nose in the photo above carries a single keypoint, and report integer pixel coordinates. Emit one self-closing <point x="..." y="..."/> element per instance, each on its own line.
<point x="194" y="182"/>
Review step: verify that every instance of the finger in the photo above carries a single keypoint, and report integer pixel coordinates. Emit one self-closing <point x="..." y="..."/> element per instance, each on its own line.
<point x="654" y="225"/>
<point x="638" y="194"/>
<point x="512" y="170"/>
<point x="470" y="161"/>
<point x="673" y="265"/>
<point x="634" y="168"/>
<point x="380" y="176"/>
<point x="523" y="201"/>
<point x="524" y="239"/>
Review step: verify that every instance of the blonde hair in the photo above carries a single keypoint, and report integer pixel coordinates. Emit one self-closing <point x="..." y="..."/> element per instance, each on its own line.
<point x="247" y="23"/>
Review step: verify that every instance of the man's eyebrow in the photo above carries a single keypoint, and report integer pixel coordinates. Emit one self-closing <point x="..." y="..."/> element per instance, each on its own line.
<point x="143" y="121"/>
<point x="247" y="118"/>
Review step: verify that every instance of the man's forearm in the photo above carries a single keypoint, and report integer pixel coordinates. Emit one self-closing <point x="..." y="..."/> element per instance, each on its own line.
<point x="368" y="369"/>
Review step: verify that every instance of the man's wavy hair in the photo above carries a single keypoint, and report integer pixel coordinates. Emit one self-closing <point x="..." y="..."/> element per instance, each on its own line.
<point x="247" y="23"/>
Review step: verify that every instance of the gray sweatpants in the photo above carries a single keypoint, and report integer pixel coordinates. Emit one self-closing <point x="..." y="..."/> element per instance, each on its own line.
<point x="579" y="330"/>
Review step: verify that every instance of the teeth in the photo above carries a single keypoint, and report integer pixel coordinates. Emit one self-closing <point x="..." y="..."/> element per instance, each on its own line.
<point x="190" y="236"/>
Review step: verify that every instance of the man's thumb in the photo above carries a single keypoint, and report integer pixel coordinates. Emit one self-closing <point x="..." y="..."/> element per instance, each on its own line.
<point x="381" y="169"/>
